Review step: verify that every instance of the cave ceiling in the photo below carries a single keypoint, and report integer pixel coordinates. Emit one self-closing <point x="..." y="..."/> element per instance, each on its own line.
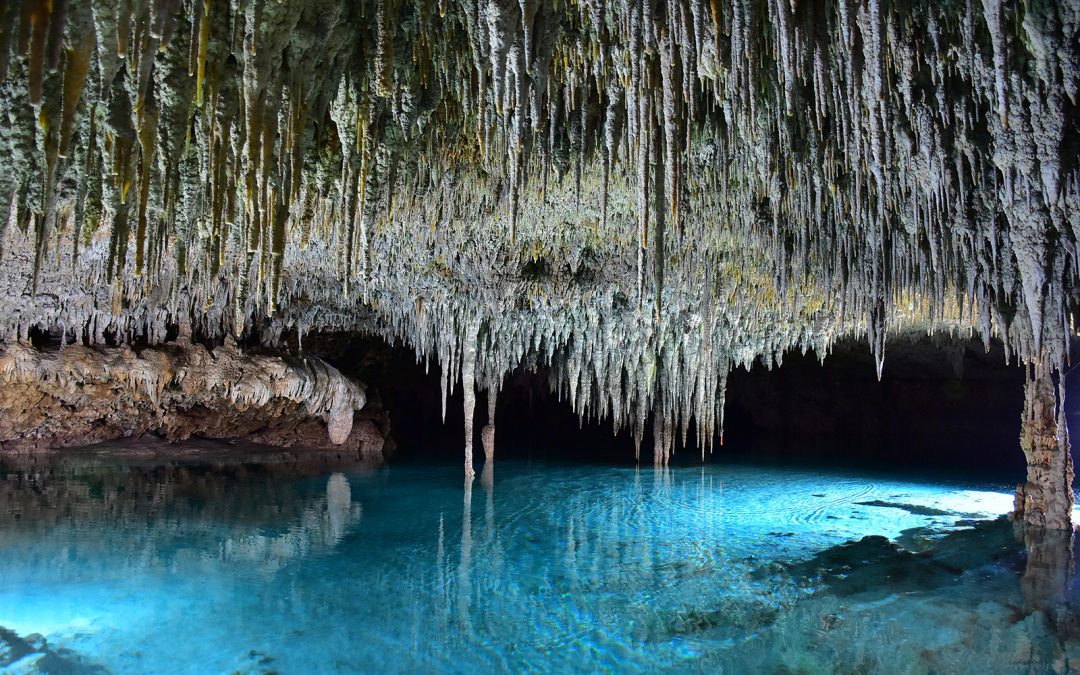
<point x="638" y="194"/>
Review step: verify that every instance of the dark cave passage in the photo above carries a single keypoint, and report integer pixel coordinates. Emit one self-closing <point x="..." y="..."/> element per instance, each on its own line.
<point x="942" y="406"/>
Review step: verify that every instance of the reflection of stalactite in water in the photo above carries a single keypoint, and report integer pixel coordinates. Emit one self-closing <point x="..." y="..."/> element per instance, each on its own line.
<point x="321" y="526"/>
<point x="662" y="477"/>
<point x="464" y="570"/>
<point x="339" y="507"/>
<point x="441" y="577"/>
<point x="487" y="480"/>
<point x="571" y="560"/>
<point x="487" y="476"/>
<point x="1049" y="570"/>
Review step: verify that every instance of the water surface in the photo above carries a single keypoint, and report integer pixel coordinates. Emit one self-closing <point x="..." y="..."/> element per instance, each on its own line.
<point x="140" y="565"/>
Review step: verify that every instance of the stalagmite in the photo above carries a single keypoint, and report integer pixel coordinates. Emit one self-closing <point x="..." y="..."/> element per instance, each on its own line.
<point x="1046" y="499"/>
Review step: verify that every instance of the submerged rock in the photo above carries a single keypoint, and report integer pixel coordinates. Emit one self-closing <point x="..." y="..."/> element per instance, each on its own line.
<point x="32" y="654"/>
<point x="915" y="509"/>
<point x="875" y="563"/>
<point x="920" y="560"/>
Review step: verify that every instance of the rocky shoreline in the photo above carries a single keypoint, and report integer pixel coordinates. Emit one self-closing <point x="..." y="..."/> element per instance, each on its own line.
<point x="78" y="395"/>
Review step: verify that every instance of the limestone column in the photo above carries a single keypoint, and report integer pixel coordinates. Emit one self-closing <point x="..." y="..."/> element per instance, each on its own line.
<point x="1046" y="499"/>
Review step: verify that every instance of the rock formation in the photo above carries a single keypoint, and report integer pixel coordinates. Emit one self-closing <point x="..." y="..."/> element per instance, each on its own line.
<point x="33" y="655"/>
<point x="1046" y="499"/>
<point x="637" y="194"/>
<point x="80" y="395"/>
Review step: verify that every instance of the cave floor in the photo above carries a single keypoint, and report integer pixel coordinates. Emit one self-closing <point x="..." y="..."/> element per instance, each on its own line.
<point x="128" y="562"/>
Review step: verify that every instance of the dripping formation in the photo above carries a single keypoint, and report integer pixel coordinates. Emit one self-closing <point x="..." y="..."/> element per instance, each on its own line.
<point x="638" y="194"/>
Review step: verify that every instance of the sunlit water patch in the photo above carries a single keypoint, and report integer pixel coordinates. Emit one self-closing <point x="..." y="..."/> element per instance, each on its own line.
<point x="189" y="567"/>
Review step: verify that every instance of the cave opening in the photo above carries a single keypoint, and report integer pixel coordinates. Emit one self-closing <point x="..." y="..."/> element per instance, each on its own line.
<point x="945" y="405"/>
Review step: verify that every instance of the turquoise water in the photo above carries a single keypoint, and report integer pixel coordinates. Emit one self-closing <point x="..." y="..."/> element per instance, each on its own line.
<point x="136" y="565"/>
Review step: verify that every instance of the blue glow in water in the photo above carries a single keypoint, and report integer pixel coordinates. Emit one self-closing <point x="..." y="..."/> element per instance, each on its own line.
<point x="143" y="568"/>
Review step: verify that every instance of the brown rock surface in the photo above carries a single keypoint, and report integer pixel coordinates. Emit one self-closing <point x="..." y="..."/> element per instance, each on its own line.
<point x="1046" y="499"/>
<point x="80" y="395"/>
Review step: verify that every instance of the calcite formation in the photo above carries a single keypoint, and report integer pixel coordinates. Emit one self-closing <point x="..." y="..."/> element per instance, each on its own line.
<point x="637" y="194"/>
<point x="80" y="395"/>
<point x="1046" y="499"/>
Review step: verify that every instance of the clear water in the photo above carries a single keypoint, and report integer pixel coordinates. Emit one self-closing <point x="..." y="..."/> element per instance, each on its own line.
<point x="139" y="566"/>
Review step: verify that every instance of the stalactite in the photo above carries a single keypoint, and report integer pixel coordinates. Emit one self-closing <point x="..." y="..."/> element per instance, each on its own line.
<point x="468" y="382"/>
<point x="487" y="434"/>
<point x="659" y="162"/>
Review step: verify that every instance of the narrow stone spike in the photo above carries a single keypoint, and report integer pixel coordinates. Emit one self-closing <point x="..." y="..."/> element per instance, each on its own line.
<point x="468" y="382"/>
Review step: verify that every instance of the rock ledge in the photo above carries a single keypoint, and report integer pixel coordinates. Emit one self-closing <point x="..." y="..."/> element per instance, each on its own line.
<point x="80" y="395"/>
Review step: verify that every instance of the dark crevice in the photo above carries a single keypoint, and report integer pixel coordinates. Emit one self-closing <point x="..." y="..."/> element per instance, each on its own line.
<point x="942" y="405"/>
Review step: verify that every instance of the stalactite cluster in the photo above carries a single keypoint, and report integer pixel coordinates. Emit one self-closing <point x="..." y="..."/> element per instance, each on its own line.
<point x="639" y="193"/>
